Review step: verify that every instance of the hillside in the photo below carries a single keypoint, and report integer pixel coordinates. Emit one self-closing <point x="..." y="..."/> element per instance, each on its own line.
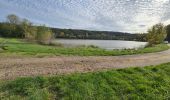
<point x="7" y="30"/>
<point x="100" y="35"/>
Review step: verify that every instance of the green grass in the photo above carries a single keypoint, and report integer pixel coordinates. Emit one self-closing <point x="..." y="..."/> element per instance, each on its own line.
<point x="19" y="47"/>
<point x="148" y="83"/>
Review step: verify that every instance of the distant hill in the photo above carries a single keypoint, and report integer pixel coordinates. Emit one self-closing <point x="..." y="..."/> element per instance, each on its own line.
<point x="7" y="30"/>
<point x="102" y="35"/>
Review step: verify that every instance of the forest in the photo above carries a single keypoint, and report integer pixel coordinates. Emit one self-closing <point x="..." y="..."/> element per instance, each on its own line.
<point x="100" y="35"/>
<point x="15" y="27"/>
<point x="15" y="31"/>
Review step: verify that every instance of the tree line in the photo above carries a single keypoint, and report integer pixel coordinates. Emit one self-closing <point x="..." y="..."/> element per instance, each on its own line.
<point x="168" y="32"/>
<point x="100" y="35"/>
<point x="23" y="28"/>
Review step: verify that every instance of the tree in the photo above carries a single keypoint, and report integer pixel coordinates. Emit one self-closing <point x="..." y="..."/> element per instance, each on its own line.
<point x="12" y="27"/>
<point x="168" y="32"/>
<point x="23" y="28"/>
<point x="7" y="30"/>
<point x="13" y="19"/>
<point x="44" y="35"/>
<point x="156" y="34"/>
<point x="28" y="30"/>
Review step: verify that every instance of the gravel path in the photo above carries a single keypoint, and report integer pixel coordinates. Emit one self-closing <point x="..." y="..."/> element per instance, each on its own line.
<point x="10" y="68"/>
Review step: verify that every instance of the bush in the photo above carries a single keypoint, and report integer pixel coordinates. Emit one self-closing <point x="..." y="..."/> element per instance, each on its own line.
<point x="156" y="34"/>
<point x="44" y="35"/>
<point x="23" y="28"/>
<point x="168" y="32"/>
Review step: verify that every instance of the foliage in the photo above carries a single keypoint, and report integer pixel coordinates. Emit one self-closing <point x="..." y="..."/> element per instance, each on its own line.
<point x="100" y="35"/>
<point x="23" y="28"/>
<point x="44" y="35"/>
<point x="168" y="32"/>
<point x="20" y="31"/>
<point x="156" y="34"/>
<point x="152" y="82"/>
<point x="27" y="48"/>
<point x="28" y="30"/>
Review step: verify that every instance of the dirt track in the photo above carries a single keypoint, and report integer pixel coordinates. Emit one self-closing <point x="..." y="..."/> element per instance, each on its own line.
<point x="11" y="68"/>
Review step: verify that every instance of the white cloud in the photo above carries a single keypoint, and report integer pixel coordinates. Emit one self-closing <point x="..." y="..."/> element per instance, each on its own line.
<point x="167" y="22"/>
<point x="115" y="15"/>
<point x="162" y="1"/>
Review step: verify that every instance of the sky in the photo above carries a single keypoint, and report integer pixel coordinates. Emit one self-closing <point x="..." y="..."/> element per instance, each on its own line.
<point x="134" y="16"/>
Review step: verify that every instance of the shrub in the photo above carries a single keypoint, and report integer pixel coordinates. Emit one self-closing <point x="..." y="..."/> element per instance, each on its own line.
<point x="44" y="35"/>
<point x="168" y="32"/>
<point x="156" y="34"/>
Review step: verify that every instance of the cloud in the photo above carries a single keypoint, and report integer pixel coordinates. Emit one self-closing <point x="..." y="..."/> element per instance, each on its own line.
<point x="112" y="15"/>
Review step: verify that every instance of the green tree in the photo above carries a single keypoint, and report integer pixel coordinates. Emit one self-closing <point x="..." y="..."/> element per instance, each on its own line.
<point x="44" y="35"/>
<point x="156" y="34"/>
<point x="7" y="30"/>
<point x="29" y="30"/>
<point x="168" y="32"/>
<point x="16" y="27"/>
<point x="12" y="28"/>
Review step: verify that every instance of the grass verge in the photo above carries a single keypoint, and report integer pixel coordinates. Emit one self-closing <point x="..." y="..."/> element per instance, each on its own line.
<point x="152" y="82"/>
<point x="17" y="47"/>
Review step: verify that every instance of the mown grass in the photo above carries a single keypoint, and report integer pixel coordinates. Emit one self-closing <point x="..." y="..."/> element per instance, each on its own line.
<point x="19" y="47"/>
<point x="148" y="83"/>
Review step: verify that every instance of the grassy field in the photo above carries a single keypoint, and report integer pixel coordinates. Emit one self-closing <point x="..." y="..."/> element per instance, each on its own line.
<point x="18" y="47"/>
<point x="148" y="83"/>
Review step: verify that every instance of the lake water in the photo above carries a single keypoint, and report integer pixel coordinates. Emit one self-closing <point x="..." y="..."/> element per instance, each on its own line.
<point x="105" y="44"/>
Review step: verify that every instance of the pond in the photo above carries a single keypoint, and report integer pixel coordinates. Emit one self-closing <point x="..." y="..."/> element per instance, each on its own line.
<point x="104" y="44"/>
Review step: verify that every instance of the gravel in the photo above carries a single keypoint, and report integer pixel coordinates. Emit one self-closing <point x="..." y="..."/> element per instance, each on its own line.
<point x="13" y="67"/>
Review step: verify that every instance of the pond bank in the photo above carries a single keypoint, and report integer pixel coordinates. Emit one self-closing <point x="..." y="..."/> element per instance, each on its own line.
<point x="18" y="47"/>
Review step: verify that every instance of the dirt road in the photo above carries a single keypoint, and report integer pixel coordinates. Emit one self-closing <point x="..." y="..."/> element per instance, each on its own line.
<point x="11" y="68"/>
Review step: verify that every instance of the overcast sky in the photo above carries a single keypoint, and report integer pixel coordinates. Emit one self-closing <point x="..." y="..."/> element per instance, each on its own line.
<point x="109" y="15"/>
